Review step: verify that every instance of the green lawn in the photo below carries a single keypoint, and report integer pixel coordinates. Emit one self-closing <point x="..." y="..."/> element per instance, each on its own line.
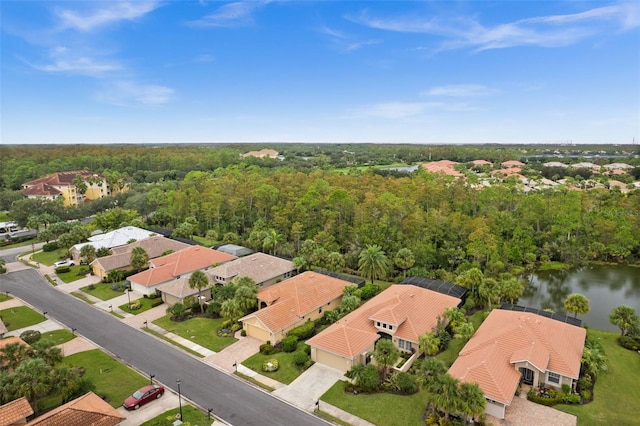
<point x="102" y="291"/>
<point x="50" y="257"/>
<point x="380" y="408"/>
<point x="4" y="297"/>
<point x="112" y="379"/>
<point x="286" y="373"/>
<point x="202" y="331"/>
<point x="20" y="317"/>
<point x="57" y="337"/>
<point x="190" y="414"/>
<point x="145" y="305"/>
<point x="75" y="273"/>
<point x="617" y="391"/>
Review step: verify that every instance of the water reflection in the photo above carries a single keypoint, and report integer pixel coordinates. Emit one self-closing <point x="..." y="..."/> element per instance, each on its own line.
<point x="606" y="286"/>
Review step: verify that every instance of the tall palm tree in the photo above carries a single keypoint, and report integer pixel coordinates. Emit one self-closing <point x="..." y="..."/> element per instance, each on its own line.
<point x="12" y="355"/>
<point x="472" y="400"/>
<point x="34" y="379"/>
<point x="385" y="354"/>
<point x="246" y="292"/>
<point x="429" y="343"/>
<point x="139" y="258"/>
<point x="447" y="398"/>
<point x="625" y="318"/>
<point x="576" y="303"/>
<point x="231" y="310"/>
<point x="404" y="259"/>
<point x="373" y="262"/>
<point x="199" y="280"/>
<point x="271" y="240"/>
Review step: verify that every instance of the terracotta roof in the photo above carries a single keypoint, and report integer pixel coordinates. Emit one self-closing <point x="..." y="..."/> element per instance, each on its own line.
<point x="481" y="163"/>
<point x="61" y="178"/>
<point x="87" y="410"/>
<point x="506" y="337"/>
<point x="41" y="189"/>
<point x="512" y="163"/>
<point x="15" y="411"/>
<point x="296" y="297"/>
<point x="11" y="340"/>
<point x="443" y="166"/>
<point x="262" y="153"/>
<point x="260" y="267"/>
<point x="415" y="310"/>
<point x="154" y="246"/>
<point x="166" y="268"/>
<point x="180" y="288"/>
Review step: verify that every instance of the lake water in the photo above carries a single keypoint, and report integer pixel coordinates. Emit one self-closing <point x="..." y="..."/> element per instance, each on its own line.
<point x="606" y="286"/>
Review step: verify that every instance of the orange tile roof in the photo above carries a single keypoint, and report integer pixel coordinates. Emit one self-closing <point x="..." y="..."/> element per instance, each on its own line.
<point x="297" y="297"/>
<point x="15" y="411"/>
<point x="481" y="163"/>
<point x="87" y="410"/>
<point x="61" y="178"/>
<point x="444" y="166"/>
<point x="512" y="163"/>
<point x="507" y="337"/>
<point x="414" y="309"/>
<point x="168" y="267"/>
<point x="41" y="189"/>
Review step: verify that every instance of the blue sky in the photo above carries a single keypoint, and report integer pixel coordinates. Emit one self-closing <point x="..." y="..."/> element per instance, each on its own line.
<point x="320" y="71"/>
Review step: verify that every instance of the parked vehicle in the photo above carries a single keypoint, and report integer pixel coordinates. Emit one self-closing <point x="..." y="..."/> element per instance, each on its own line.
<point x="61" y="263"/>
<point x="142" y="396"/>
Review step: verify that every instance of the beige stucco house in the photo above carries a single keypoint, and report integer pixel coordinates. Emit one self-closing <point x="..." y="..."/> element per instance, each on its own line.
<point x="291" y="303"/>
<point x="401" y="313"/>
<point x="514" y="346"/>
<point x="61" y="185"/>
<point x="263" y="268"/>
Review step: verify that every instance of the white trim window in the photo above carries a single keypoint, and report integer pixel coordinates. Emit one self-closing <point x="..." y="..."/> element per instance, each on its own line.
<point x="553" y="377"/>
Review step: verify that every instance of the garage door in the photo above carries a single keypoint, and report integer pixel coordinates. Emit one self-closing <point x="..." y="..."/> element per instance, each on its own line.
<point x="495" y="409"/>
<point x="257" y="332"/>
<point x="332" y="360"/>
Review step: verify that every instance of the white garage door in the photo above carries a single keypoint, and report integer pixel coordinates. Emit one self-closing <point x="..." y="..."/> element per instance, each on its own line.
<point x="495" y="409"/>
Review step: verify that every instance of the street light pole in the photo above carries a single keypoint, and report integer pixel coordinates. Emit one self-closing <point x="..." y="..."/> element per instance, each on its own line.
<point x="129" y="299"/>
<point x="179" y="399"/>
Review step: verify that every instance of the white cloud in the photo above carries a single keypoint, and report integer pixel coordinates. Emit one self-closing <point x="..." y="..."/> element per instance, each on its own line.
<point x="66" y="60"/>
<point x="128" y="93"/>
<point x="204" y="58"/>
<point x="544" y="31"/>
<point x="395" y="109"/>
<point x="460" y="90"/>
<point x="343" y="41"/>
<point x="114" y="12"/>
<point x="238" y="14"/>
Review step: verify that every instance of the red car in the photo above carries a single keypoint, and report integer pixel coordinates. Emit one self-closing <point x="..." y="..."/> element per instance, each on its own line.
<point x="142" y="396"/>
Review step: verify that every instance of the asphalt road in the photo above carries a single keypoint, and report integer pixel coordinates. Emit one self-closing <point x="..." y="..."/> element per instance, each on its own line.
<point x="231" y="399"/>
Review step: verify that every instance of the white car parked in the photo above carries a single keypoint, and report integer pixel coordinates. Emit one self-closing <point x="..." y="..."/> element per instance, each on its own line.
<point x="62" y="263"/>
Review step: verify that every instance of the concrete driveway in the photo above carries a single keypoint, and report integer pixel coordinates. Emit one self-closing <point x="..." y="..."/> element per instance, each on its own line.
<point x="523" y="412"/>
<point x="235" y="353"/>
<point x="310" y="386"/>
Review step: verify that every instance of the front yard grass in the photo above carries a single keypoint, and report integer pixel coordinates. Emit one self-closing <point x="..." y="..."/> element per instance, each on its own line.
<point x="20" y="317"/>
<point x="5" y="297"/>
<point x="200" y="330"/>
<point x="50" y="257"/>
<point x="145" y="305"/>
<point x="616" y="393"/>
<point x="189" y="414"/>
<point x="101" y="291"/>
<point x="379" y="408"/>
<point x="75" y="273"/>
<point x="112" y="379"/>
<point x="287" y="371"/>
<point x="57" y="337"/>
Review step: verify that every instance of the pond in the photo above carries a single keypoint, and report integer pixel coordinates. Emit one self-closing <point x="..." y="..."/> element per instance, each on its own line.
<point x="606" y="286"/>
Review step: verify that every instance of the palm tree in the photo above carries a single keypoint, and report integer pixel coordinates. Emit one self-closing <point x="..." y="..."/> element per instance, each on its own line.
<point x="231" y="310"/>
<point x="246" y="292"/>
<point x="335" y="261"/>
<point x="34" y="379"/>
<point x="429" y="343"/>
<point x="594" y="360"/>
<point x="271" y="240"/>
<point x="373" y="262"/>
<point x="404" y="259"/>
<point x="447" y="398"/>
<point x="489" y="290"/>
<point x="385" y="354"/>
<point x="463" y="330"/>
<point x="429" y="374"/>
<point x="471" y="279"/>
<point x="12" y="355"/>
<point x="576" y="303"/>
<point x="199" y="280"/>
<point x="47" y="352"/>
<point x="472" y="400"/>
<point x="139" y="258"/>
<point x="625" y="318"/>
<point x="88" y="253"/>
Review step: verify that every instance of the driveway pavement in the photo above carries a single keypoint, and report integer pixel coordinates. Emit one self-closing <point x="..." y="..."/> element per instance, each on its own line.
<point x="523" y="412"/>
<point x="235" y="353"/>
<point x="307" y="389"/>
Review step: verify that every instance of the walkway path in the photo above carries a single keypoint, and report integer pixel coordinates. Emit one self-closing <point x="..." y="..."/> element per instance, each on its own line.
<point x="307" y="389"/>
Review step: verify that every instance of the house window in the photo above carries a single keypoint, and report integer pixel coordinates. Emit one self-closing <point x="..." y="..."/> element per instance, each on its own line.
<point x="378" y="323"/>
<point x="390" y="327"/>
<point x="384" y="325"/>
<point x="401" y="343"/>
<point x="408" y="346"/>
<point x="553" y="377"/>
<point x="320" y="310"/>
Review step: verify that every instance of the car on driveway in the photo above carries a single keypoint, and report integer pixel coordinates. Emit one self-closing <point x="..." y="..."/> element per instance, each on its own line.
<point x="62" y="263"/>
<point x="142" y="396"/>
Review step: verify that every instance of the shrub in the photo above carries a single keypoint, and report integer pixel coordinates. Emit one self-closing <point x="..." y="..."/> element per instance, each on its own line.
<point x="566" y="389"/>
<point x="270" y="365"/>
<point x="63" y="269"/>
<point x="266" y="349"/>
<point x="368" y="291"/>
<point x="629" y="342"/>
<point x="243" y="333"/>
<point x="301" y="359"/>
<point x="135" y="305"/>
<point x="50" y="247"/>
<point x="307" y="349"/>
<point x="30" y="336"/>
<point x="235" y="327"/>
<point x="213" y="309"/>
<point x="406" y="383"/>
<point x="572" y="399"/>
<point x="157" y="303"/>
<point x="290" y="344"/>
<point x="586" y="395"/>
<point x="304" y="331"/>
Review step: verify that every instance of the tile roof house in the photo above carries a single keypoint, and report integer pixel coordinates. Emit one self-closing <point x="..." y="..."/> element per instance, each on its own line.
<point x="15" y="412"/>
<point x="121" y="256"/>
<point x="443" y="166"/>
<point x="175" y="265"/>
<point x="512" y="163"/>
<point x="292" y="302"/>
<point x="263" y="268"/>
<point x="176" y="291"/>
<point x="613" y="166"/>
<point x="262" y="153"/>
<point x="87" y="410"/>
<point x="481" y="163"/>
<point x="401" y="312"/>
<point x="116" y="238"/>
<point x="512" y="346"/>
<point x="61" y="185"/>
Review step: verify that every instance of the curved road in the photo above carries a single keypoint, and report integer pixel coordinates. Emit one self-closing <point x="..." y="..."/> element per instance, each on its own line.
<point x="231" y="399"/>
